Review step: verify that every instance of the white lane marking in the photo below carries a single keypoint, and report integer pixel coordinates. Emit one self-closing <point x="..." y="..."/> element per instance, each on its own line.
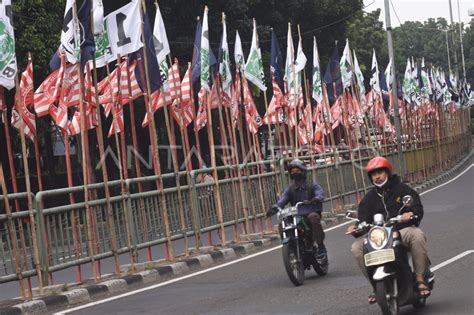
<point x="450" y="261"/>
<point x="231" y="263"/>
<point x="183" y="277"/>
<point x="449" y="181"/>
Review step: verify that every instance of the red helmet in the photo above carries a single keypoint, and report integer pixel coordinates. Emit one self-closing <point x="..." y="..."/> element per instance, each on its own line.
<point x="379" y="162"/>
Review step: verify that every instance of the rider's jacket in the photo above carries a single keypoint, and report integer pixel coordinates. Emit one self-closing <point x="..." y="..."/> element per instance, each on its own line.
<point x="387" y="200"/>
<point x="301" y="191"/>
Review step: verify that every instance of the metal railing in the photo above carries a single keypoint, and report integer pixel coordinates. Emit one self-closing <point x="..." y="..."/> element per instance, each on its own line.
<point x="138" y="216"/>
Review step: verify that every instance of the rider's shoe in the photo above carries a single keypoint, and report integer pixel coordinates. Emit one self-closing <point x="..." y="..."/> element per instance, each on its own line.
<point x="322" y="252"/>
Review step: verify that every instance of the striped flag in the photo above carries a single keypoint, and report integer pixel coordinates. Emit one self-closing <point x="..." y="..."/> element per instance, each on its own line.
<point x="26" y="98"/>
<point x="117" y="123"/>
<point x="275" y="106"/>
<point x="254" y="121"/>
<point x="201" y="116"/>
<point x="59" y="115"/>
<point x="91" y="120"/>
<point x="70" y="86"/>
<point x="182" y="109"/>
<point x="48" y="92"/>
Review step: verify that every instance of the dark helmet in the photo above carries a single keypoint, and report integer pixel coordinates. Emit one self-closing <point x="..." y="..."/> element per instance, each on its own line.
<point x="377" y="163"/>
<point x="298" y="164"/>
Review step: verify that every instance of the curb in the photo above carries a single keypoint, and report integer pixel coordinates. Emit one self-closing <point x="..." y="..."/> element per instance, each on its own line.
<point x="163" y="272"/>
<point x="91" y="292"/>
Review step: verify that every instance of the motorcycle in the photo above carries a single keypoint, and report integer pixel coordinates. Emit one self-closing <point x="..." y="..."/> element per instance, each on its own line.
<point x="388" y="264"/>
<point x="299" y="254"/>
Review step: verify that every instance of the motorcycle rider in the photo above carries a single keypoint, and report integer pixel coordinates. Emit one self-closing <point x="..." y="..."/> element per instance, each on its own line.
<point x="311" y="195"/>
<point x="386" y="198"/>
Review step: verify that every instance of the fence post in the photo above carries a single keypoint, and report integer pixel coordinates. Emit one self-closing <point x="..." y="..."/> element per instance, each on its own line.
<point x="41" y="236"/>
<point x="132" y="231"/>
<point x="195" y="209"/>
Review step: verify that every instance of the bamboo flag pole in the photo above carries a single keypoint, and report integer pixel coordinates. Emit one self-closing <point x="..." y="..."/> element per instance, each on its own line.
<point x="131" y="108"/>
<point x="12" y="231"/>
<point x="32" y="221"/>
<point x="14" y="182"/>
<point x="154" y="141"/>
<point x="90" y="234"/>
<point x="105" y="176"/>
<point x="172" y="142"/>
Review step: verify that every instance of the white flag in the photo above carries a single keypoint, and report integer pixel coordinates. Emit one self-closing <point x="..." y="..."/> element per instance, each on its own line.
<point x="300" y="62"/>
<point x="8" y="66"/>
<point x="359" y="75"/>
<point x="289" y="76"/>
<point x="238" y="52"/>
<point x="388" y="74"/>
<point x="254" y="65"/>
<point x="162" y="47"/>
<point x="407" y="82"/>
<point x="224" y="66"/>
<point x="374" y="79"/>
<point x="124" y="29"/>
<point x="98" y="15"/>
<point x="317" y="92"/>
<point x="345" y="66"/>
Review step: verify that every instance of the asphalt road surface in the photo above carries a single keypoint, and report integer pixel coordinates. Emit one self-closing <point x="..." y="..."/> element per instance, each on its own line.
<point x="259" y="284"/>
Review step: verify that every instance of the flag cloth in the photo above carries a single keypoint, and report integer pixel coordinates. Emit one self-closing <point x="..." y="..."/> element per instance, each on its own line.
<point x="407" y="86"/>
<point x="8" y="65"/>
<point x="346" y="67"/>
<point x="359" y="75"/>
<point x="317" y="88"/>
<point x="426" y="89"/>
<point x="224" y="62"/>
<point x="388" y="75"/>
<point x="77" y="39"/>
<point x="290" y="80"/>
<point x="69" y="94"/>
<point x="59" y="115"/>
<point x="239" y="53"/>
<point x="254" y="66"/>
<point x="204" y="52"/>
<point x="333" y="76"/>
<point x="182" y="108"/>
<point x="276" y="62"/>
<point x="103" y="52"/>
<point x="160" y="39"/>
<point x="26" y="99"/>
<point x="117" y="125"/>
<point x="374" y="78"/>
<point x="201" y="116"/>
<point x="254" y="121"/>
<point x="49" y="91"/>
<point x="124" y="29"/>
<point x="91" y="120"/>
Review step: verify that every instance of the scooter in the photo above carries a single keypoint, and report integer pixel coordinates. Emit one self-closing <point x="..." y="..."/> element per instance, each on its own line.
<point x="388" y="264"/>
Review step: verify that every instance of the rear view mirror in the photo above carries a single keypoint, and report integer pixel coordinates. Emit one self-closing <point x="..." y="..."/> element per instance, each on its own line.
<point x="407" y="200"/>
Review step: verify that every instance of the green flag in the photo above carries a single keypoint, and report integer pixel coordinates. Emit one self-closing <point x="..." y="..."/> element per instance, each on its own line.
<point x="254" y="65"/>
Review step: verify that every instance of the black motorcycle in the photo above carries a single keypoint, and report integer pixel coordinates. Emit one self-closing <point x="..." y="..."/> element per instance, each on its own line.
<point x="388" y="264"/>
<point x="299" y="254"/>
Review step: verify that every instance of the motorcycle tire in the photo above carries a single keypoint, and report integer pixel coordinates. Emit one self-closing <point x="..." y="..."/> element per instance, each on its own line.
<point x="321" y="267"/>
<point x="385" y="299"/>
<point x="293" y="267"/>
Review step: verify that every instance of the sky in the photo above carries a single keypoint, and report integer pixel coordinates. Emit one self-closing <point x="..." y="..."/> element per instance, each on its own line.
<point x="421" y="10"/>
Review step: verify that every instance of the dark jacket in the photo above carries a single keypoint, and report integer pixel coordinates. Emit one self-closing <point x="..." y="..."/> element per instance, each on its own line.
<point x="297" y="192"/>
<point x="387" y="200"/>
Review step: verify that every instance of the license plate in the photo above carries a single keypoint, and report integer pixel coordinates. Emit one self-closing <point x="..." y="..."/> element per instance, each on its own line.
<point x="379" y="257"/>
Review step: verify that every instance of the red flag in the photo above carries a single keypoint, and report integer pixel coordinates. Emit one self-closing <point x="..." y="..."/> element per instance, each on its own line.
<point x="254" y="121"/>
<point x="274" y="108"/>
<point x="91" y="120"/>
<point x="117" y="124"/>
<point x="59" y="115"/>
<point x="201" y="116"/>
<point x="26" y="98"/>
<point x="185" y="103"/>
<point x="336" y="113"/>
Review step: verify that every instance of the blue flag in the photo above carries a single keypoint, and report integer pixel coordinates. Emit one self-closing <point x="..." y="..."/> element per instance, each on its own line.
<point x="276" y="61"/>
<point x="153" y="68"/>
<point x="87" y="38"/>
<point x="333" y="75"/>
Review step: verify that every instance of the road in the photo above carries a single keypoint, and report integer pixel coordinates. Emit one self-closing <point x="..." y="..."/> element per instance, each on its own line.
<point x="259" y="284"/>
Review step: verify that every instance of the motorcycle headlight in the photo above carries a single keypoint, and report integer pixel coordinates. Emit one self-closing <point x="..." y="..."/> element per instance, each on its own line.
<point x="377" y="237"/>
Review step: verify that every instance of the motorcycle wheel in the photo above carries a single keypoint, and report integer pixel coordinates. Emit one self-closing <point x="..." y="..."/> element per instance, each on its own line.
<point x="321" y="267"/>
<point x="385" y="297"/>
<point x="294" y="268"/>
<point x="419" y="303"/>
